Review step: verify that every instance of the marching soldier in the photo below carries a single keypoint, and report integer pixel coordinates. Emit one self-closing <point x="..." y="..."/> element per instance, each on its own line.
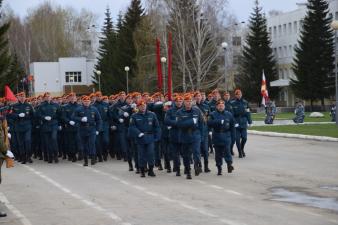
<point x="90" y="121"/>
<point x="23" y="113"/>
<point x="223" y="124"/>
<point x="145" y="128"/>
<point x="243" y="118"/>
<point x="48" y="113"/>
<point x="190" y="124"/>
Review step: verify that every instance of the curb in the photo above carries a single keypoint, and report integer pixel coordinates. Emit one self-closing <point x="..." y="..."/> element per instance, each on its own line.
<point x="290" y="124"/>
<point x="298" y="136"/>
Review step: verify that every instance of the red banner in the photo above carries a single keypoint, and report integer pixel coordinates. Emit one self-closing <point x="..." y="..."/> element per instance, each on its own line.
<point x="9" y="94"/>
<point x="159" y="67"/>
<point x="170" y="60"/>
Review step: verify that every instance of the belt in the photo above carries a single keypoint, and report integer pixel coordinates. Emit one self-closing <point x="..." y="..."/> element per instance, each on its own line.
<point x="148" y="132"/>
<point x="221" y="131"/>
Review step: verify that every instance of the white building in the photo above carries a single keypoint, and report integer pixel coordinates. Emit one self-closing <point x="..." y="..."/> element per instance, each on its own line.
<point x="64" y="76"/>
<point x="284" y="29"/>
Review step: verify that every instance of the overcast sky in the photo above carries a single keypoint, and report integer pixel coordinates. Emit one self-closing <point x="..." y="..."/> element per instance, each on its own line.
<point x="241" y="8"/>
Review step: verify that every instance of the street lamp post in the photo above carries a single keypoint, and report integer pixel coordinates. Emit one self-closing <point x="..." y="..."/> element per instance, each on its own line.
<point x="98" y="72"/>
<point x="334" y="26"/>
<point x="127" y="70"/>
<point x="163" y="61"/>
<point x="225" y="48"/>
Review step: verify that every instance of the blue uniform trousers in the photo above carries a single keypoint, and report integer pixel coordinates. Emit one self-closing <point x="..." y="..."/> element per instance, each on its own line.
<point x="88" y="144"/>
<point x="24" y="143"/>
<point x="50" y="144"/>
<point x="241" y="138"/>
<point x="145" y="155"/>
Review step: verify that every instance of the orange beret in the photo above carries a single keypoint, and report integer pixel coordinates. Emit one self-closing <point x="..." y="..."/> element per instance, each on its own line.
<point x="178" y="98"/>
<point x="141" y="102"/>
<point x="238" y="91"/>
<point x="220" y="102"/>
<point x="104" y="97"/>
<point x="91" y="95"/>
<point x="46" y="94"/>
<point x="98" y="94"/>
<point x="187" y="97"/>
<point x="145" y="94"/>
<point x="21" y="94"/>
<point x="85" y="98"/>
<point x="197" y="93"/>
<point x="215" y="91"/>
<point x="71" y="94"/>
<point x="122" y="93"/>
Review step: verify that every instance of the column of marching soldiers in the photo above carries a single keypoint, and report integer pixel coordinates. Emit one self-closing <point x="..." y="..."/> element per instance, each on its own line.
<point x="140" y="129"/>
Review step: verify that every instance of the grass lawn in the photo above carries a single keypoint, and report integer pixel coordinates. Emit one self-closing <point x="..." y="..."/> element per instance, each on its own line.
<point x="329" y="130"/>
<point x="290" y="116"/>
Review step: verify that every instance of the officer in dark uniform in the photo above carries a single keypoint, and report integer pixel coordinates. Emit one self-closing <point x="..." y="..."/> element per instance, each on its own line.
<point x="190" y="124"/>
<point x="90" y="122"/>
<point x="205" y="110"/>
<point x="243" y="118"/>
<point x="145" y="128"/>
<point x="102" y="140"/>
<point x="48" y="114"/>
<point x="171" y="123"/>
<point x="223" y="124"/>
<point x="23" y="114"/>
<point x="71" y="128"/>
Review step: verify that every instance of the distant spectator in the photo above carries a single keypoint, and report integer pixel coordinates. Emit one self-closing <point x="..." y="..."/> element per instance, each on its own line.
<point x="299" y="112"/>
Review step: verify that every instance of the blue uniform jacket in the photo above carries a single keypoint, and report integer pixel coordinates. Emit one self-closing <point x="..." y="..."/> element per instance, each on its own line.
<point x="147" y="124"/>
<point x="205" y="110"/>
<point x="189" y="132"/>
<point x="93" y="123"/>
<point x="170" y="121"/>
<point x="241" y="112"/>
<point x="22" y="124"/>
<point x="222" y="132"/>
<point x="52" y="110"/>
<point x="103" y="109"/>
<point x="67" y="113"/>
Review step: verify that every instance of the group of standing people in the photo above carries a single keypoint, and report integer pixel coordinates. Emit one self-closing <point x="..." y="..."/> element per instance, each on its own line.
<point x="144" y="130"/>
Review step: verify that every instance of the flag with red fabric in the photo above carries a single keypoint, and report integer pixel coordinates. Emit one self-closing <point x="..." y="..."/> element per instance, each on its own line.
<point x="9" y="94"/>
<point x="264" y="90"/>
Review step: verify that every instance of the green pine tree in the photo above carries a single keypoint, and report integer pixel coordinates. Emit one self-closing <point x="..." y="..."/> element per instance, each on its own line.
<point x="106" y="59"/>
<point x="314" y="60"/>
<point x="5" y="58"/>
<point x="127" y="50"/>
<point x="257" y="56"/>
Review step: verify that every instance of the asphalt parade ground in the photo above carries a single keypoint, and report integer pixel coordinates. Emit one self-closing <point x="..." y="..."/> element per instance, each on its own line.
<point x="281" y="181"/>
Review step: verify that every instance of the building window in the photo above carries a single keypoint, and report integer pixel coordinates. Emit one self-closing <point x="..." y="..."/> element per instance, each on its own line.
<point x="280" y="52"/>
<point x="236" y="59"/>
<point x="336" y="16"/>
<point x="280" y="30"/>
<point x="286" y="51"/>
<point x="275" y="31"/>
<point x="301" y="24"/>
<point x="290" y="50"/>
<point x="73" y="77"/>
<point x="290" y="28"/>
<point x="284" y="29"/>
<point x="295" y="28"/>
<point x="236" y="41"/>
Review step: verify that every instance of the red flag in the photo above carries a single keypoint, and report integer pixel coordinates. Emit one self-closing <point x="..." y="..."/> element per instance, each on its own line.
<point x="264" y="90"/>
<point x="159" y="67"/>
<point x="9" y="94"/>
<point x="170" y="60"/>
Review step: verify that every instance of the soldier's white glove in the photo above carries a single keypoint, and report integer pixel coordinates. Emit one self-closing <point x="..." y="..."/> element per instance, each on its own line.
<point x="210" y="133"/>
<point x="141" y="135"/>
<point x="250" y="124"/>
<point x="125" y="114"/>
<point x="121" y="120"/>
<point x="60" y="127"/>
<point x="113" y="127"/>
<point x="9" y="135"/>
<point x="84" y="119"/>
<point x="248" y="110"/>
<point x="72" y="123"/>
<point x="169" y="128"/>
<point x="10" y="154"/>
<point x="158" y="103"/>
<point x="168" y="103"/>
<point x="133" y="105"/>
<point x="222" y="121"/>
<point x="195" y="120"/>
<point x="97" y="133"/>
<point x="8" y="128"/>
<point x="48" y="118"/>
<point x="236" y="125"/>
<point x="22" y="115"/>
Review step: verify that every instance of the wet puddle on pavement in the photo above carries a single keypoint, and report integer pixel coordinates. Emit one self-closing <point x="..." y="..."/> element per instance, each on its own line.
<point x="302" y="198"/>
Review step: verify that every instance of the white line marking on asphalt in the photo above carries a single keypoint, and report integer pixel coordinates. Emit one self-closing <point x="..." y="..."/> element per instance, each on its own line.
<point x="164" y="198"/>
<point x="219" y="188"/>
<point x="215" y="187"/>
<point x="14" y="210"/>
<point x="91" y="204"/>
<point x="233" y="192"/>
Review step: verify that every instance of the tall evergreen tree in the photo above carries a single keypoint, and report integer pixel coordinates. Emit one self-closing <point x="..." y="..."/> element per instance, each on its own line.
<point x="314" y="60"/>
<point x="107" y="56"/>
<point x="127" y="51"/>
<point x="5" y="58"/>
<point x="257" y="56"/>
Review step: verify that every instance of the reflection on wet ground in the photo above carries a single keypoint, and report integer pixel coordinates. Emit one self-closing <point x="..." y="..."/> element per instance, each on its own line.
<point x="298" y="197"/>
<point x="329" y="187"/>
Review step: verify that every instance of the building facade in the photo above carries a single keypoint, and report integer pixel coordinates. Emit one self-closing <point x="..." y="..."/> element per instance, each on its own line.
<point x="285" y="29"/>
<point x="64" y="76"/>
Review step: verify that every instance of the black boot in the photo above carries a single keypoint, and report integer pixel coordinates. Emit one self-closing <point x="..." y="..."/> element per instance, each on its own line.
<point x="23" y="159"/>
<point x="3" y="214"/>
<point x="242" y="148"/>
<point x="56" y="159"/>
<point x="219" y="170"/>
<point x="105" y="157"/>
<point x="168" y="167"/>
<point x="100" y="158"/>
<point x="93" y="161"/>
<point x="178" y="172"/>
<point x="230" y="167"/>
<point x="130" y="165"/>
<point x="151" y="172"/>
<point x="206" y="168"/>
<point x="142" y="172"/>
<point x="189" y="174"/>
<point x="160" y="166"/>
<point x="137" y="170"/>
<point x="85" y="161"/>
<point x="74" y="159"/>
<point x="197" y="169"/>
